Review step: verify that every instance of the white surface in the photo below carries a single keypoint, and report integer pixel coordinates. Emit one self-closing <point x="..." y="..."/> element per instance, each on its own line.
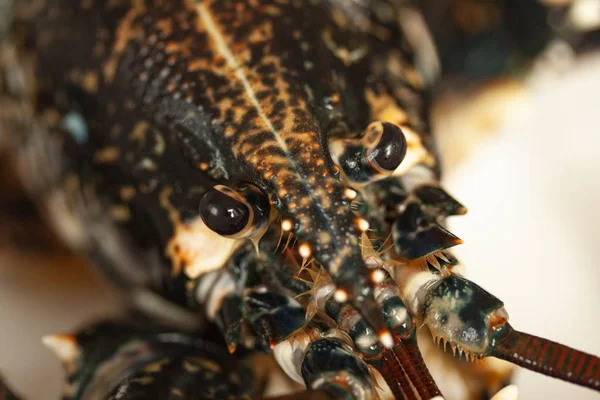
<point x="41" y="295"/>
<point x="531" y="233"/>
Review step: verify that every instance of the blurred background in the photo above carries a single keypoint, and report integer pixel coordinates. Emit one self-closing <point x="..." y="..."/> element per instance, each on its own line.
<point x="532" y="188"/>
<point x="521" y="151"/>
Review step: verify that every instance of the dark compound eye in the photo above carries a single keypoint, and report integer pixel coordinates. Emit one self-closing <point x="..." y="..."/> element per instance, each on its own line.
<point x="389" y="151"/>
<point x="224" y="211"/>
<point x="234" y="213"/>
<point x="377" y="153"/>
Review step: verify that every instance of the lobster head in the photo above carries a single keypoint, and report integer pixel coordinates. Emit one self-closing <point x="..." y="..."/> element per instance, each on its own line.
<point x="295" y="182"/>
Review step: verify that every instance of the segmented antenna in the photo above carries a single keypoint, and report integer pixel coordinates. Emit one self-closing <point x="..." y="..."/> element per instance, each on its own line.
<point x="549" y="358"/>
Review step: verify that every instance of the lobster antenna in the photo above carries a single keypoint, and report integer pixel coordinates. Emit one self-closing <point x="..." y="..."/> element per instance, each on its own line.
<point x="396" y="377"/>
<point x="408" y="353"/>
<point x="548" y="358"/>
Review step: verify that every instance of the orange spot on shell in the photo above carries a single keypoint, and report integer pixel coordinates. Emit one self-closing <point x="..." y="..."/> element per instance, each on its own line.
<point x="305" y="250"/>
<point x="287" y="225"/>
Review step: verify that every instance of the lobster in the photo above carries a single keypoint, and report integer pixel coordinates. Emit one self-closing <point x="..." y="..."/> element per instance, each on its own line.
<point x="240" y="167"/>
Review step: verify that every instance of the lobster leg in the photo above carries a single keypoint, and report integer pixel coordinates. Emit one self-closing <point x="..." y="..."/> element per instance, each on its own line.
<point x="239" y="293"/>
<point x="332" y="366"/>
<point x="319" y="357"/>
<point x="304" y="349"/>
<point x="114" y="360"/>
<point x="309" y="352"/>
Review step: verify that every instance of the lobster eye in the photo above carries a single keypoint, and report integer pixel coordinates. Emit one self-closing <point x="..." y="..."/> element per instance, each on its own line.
<point x="234" y="213"/>
<point x="224" y="211"/>
<point x="374" y="155"/>
<point x="389" y="150"/>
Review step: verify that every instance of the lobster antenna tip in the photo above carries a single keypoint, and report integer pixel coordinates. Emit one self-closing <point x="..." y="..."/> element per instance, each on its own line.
<point x="63" y="346"/>
<point x="386" y="339"/>
<point x="510" y="392"/>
